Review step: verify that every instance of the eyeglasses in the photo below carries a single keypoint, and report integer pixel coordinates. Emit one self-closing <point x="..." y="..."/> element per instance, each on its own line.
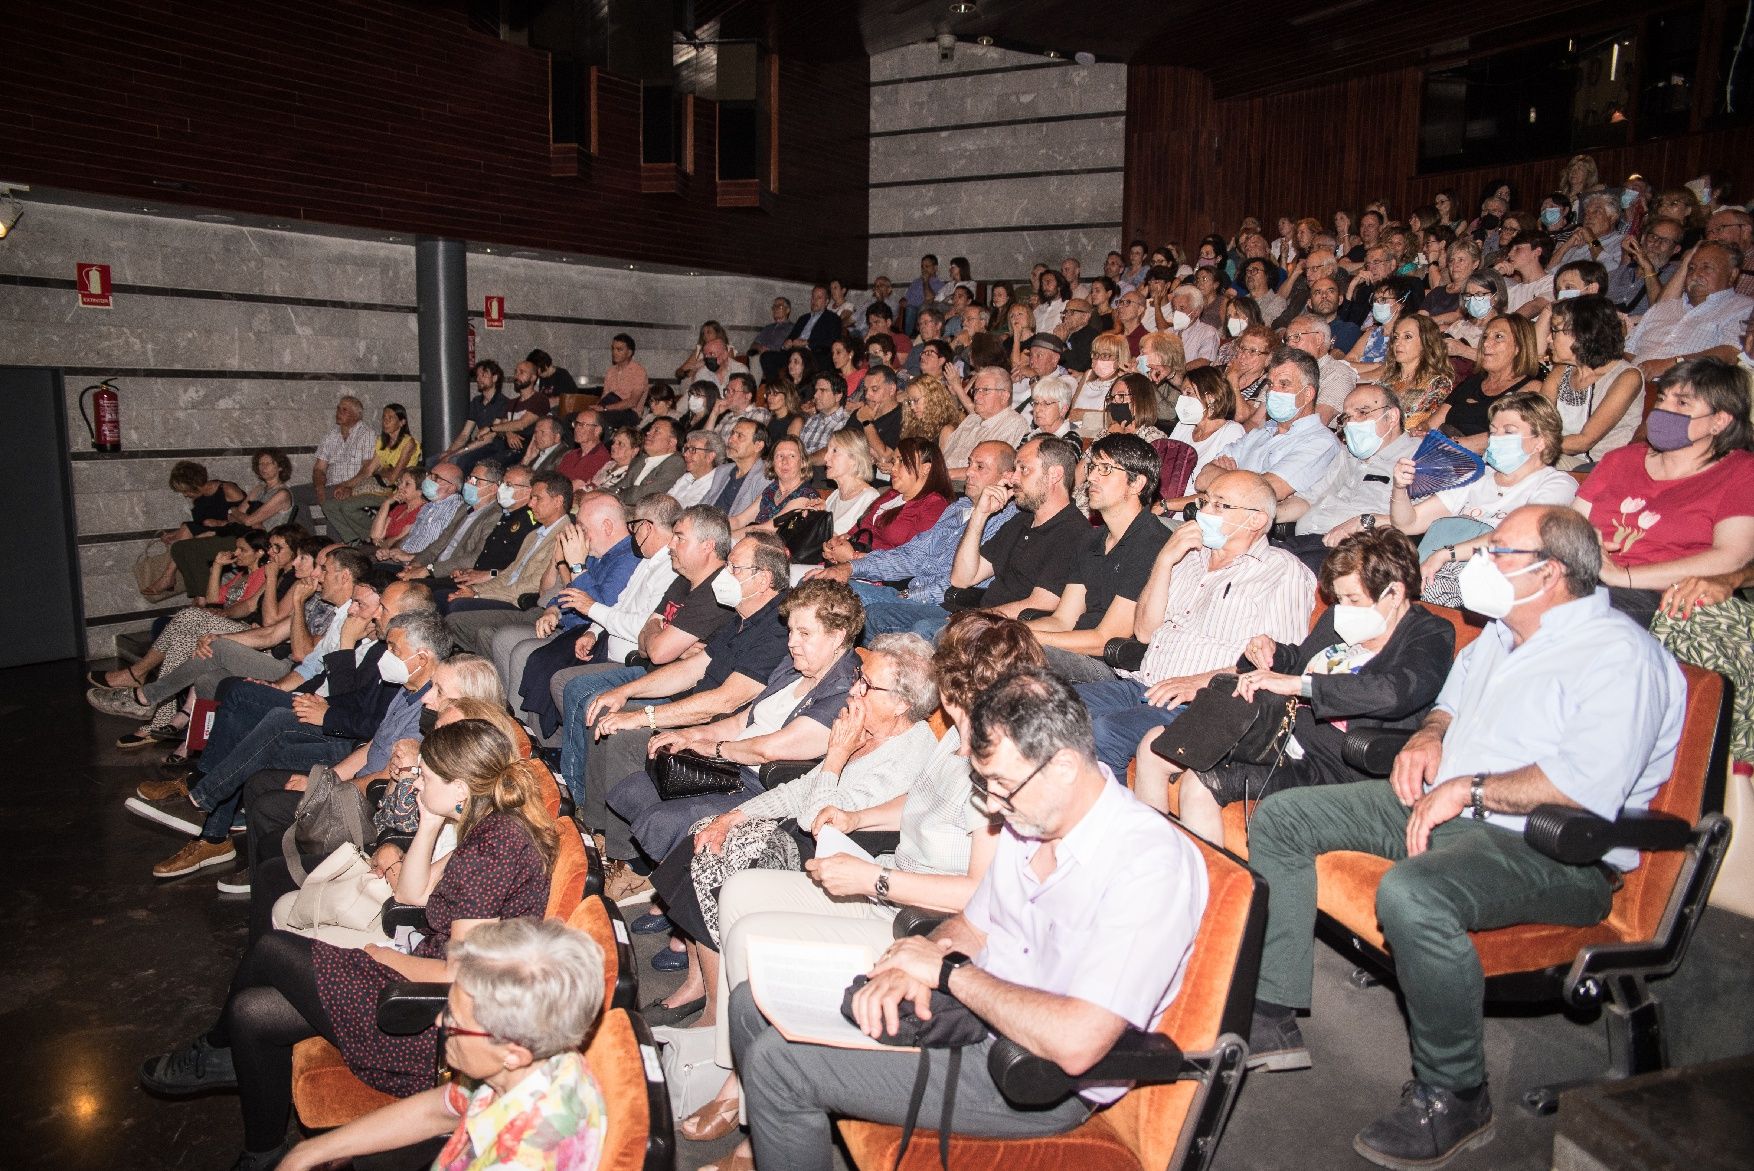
<point x="696" y="447"/>
<point x="448" y="1022"/>
<point x="1002" y="803"/>
<point x="1251" y="350"/>
<point x="736" y="569"/>
<point x="1360" y="416"/>
<point x="1223" y="506"/>
<point x="863" y="681"/>
<point x="1104" y="469"/>
<point x="1506" y="551"/>
<point x="1555" y="328"/>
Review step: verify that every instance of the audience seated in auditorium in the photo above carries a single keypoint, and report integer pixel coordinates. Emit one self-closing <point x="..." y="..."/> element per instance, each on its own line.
<point x="352" y="504"/>
<point x="484" y="409"/>
<point x="289" y="987"/>
<point x="527" y="994"/>
<point x="920" y="491"/>
<point x="1374" y="659"/>
<point x="441" y="489"/>
<point x="343" y="454"/>
<point x="536" y="566"/>
<point x="1048" y="973"/>
<point x="1516" y="726"/>
<point x="1353" y="494"/>
<point x="1704" y="320"/>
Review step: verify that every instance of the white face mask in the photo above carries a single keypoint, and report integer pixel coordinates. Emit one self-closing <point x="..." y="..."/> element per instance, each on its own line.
<point x="1567" y="294"/>
<point x="507" y="495"/>
<point x="392" y="669"/>
<point x="1189" y="409"/>
<point x="1486" y="589"/>
<point x="1356" y="624"/>
<point x="1235" y="326"/>
<point x="1381" y="311"/>
<point x="727" y="590"/>
<point x="696" y="403"/>
<point x="1179" y="321"/>
<point x="1362" y="438"/>
<point x="1103" y="368"/>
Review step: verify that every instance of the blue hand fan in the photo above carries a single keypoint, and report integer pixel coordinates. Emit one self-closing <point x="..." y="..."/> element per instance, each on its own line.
<point x="1440" y="464"/>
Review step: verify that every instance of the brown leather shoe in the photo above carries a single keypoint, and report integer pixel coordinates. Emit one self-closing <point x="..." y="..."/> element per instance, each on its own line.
<point x="197" y="855"/>
<point x="161" y="789"/>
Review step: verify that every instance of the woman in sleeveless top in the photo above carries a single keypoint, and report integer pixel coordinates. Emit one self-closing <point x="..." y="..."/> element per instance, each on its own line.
<point x="1596" y="391"/>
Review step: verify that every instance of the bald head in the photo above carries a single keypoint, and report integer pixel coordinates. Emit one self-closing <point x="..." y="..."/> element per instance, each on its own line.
<point x="449" y="478"/>
<point x="604" y="521"/>
<point x="1245" y="490"/>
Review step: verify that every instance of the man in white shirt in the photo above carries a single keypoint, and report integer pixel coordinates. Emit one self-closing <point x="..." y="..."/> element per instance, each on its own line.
<point x="1199" y="340"/>
<point x="1354" y="493"/>
<point x="993" y="419"/>
<point x="1043" y="353"/>
<point x="1525" y="266"/>
<point x="1293" y="449"/>
<point x="703" y="453"/>
<point x="1314" y="337"/>
<point x="1705" y="321"/>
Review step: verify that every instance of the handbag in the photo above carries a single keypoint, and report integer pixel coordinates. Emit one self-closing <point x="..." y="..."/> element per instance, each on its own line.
<point x="1220" y="725"/>
<point x="689" y="774"/>
<point x="149" y="567"/>
<point x="805" y="531"/>
<point x="331" y="813"/>
<point x="953" y="1026"/>
<point x="341" y="899"/>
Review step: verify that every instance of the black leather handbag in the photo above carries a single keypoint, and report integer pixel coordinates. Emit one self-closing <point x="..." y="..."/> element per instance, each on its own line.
<point x="805" y="531"/>
<point x="689" y="774"/>
<point x="1219" y="725"/>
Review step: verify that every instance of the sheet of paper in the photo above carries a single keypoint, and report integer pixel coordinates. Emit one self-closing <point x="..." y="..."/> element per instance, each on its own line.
<point x="799" y="985"/>
<point x="833" y="841"/>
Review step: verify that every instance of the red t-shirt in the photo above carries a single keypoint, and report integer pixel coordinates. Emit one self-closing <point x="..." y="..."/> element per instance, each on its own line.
<point x="575" y="466"/>
<point x="1646" y="522"/>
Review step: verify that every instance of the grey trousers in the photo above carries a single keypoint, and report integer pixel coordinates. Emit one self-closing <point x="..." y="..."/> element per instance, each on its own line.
<point x="474" y="629"/>
<point x="509" y="647"/>
<point x="1077" y="668"/>
<point x="619" y="756"/>
<point x="229" y="660"/>
<point x="791" y="1090"/>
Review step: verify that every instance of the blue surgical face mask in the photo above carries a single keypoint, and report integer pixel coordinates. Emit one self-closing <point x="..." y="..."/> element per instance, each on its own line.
<point x="1381" y="311"/>
<point x="1567" y="294"/>
<point x="1628" y="196"/>
<point x="1142" y="367"/>
<point x="471" y="494"/>
<point x="1362" y="439"/>
<point x="1212" y="533"/>
<point x="1550" y="217"/>
<point x="1281" y="406"/>
<point x="429" y="488"/>
<point x="1478" y="306"/>
<point x="1506" y="453"/>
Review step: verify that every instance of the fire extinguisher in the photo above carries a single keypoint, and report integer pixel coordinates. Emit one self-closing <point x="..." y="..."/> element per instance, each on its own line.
<point x="107" y="406"/>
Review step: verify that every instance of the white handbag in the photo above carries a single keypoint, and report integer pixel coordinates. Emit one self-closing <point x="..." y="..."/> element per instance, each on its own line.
<point x="341" y="901"/>
<point x="690" y="1074"/>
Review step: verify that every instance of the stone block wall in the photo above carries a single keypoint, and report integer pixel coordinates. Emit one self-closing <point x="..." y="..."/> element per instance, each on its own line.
<point x="225" y="338"/>
<point x="1005" y="158"/>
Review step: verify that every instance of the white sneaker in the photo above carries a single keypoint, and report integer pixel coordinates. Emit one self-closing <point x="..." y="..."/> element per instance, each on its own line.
<point x="174" y="812"/>
<point x="235" y="883"/>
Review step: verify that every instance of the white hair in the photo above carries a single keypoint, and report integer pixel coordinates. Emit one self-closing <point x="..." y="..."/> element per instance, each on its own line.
<point x="1059" y="387"/>
<point x="1318" y="325"/>
<point x="537" y="982"/>
<point x="1190" y="291"/>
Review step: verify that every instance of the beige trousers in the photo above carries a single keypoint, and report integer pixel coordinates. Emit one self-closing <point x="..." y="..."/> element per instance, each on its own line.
<point x="784" y="904"/>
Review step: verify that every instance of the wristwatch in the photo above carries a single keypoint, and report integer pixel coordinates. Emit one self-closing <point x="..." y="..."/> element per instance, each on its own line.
<point x="651" y="717"/>
<point x="577" y="567"/>
<point x="881" y="889"/>
<point x="1367" y="520"/>
<point x="952" y="961"/>
<point x="1477" y="796"/>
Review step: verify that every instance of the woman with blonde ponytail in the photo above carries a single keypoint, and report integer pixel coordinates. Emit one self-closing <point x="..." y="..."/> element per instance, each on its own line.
<point x="289" y="987"/>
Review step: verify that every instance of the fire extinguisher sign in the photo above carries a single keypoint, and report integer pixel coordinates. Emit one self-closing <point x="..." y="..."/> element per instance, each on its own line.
<point x="493" y="316"/>
<point x="94" y="286"/>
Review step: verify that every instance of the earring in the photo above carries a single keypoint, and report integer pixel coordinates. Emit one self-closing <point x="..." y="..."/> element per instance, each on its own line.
<point x="459" y="807"/>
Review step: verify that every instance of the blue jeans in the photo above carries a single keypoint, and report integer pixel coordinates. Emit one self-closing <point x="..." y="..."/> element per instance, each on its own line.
<point x="242" y="705"/>
<point x="278" y="741"/>
<point x="575" y="735"/>
<point x="922" y="618"/>
<point x="1121" y="717"/>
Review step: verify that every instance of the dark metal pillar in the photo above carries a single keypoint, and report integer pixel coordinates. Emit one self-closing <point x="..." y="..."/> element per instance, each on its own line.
<point x="441" y="298"/>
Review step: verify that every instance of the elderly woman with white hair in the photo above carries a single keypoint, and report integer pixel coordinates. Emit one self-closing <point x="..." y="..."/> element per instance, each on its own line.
<point x="1050" y="408"/>
<point x="527" y="994"/>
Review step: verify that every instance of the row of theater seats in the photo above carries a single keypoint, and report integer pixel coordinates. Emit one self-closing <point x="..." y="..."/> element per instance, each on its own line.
<point x="1190" y="1070"/>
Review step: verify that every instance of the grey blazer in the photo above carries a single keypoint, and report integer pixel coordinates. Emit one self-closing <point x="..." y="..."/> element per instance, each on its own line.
<point x="469" y="548"/>
<point x="668" y="471"/>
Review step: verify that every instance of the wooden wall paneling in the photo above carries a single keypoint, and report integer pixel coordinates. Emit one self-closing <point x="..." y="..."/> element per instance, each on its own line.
<point x="395" y="116"/>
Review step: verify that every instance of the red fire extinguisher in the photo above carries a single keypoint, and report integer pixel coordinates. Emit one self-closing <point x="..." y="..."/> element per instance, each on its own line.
<point x="107" y="406"/>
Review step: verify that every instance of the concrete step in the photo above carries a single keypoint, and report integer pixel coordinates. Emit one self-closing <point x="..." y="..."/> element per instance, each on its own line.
<point x="1690" y="1119"/>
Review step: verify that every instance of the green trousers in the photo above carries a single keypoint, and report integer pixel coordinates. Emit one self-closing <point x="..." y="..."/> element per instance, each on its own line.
<point x="1472" y="876"/>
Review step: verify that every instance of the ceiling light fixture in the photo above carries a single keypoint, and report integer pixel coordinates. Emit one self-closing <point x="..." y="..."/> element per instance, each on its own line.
<point x="962" y="7"/>
<point x="983" y="40"/>
<point x="1051" y="53"/>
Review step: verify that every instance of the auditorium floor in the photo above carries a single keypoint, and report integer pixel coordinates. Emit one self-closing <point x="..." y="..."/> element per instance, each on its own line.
<point x="103" y="967"/>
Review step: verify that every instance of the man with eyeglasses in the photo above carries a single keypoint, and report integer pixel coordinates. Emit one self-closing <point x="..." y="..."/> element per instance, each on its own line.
<point x="1354" y="492"/>
<point x="1562" y="700"/>
<point x="1648" y="261"/>
<point x="1212" y="587"/>
<point x="1315" y="337"/>
<point x="1292" y="450"/>
<point x="589" y="453"/>
<point x="1704" y="321"/>
<point x="1130" y="319"/>
<point x="703" y="454"/>
<point x="992" y="420"/>
<point x="1108" y="575"/>
<point x="1081" y="867"/>
<point x="489" y="535"/>
<point x="443" y="505"/>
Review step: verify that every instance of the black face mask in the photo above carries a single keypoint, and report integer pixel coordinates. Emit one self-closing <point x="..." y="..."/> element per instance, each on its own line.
<point x="1489" y="223"/>
<point x="711" y="364"/>
<point x="428" y="721"/>
<point x="1120" y="412"/>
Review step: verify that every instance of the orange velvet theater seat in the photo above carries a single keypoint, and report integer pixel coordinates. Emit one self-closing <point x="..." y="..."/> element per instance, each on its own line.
<point x="1171" y="1125"/>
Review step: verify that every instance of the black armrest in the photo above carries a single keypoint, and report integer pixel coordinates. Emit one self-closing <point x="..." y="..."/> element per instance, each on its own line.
<point x="913" y="921"/>
<point x="1030" y="1081"/>
<point x="402" y="915"/>
<point x="1372" y="751"/>
<point x="374" y="792"/>
<point x="1578" y="837"/>
<point x="877" y="841"/>
<point x="408" y="1008"/>
<point x="1125" y="654"/>
<point x="778" y="772"/>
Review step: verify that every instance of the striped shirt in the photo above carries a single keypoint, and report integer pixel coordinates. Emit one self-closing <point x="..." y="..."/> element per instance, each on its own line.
<point x="1210" y="614"/>
<point x="1672" y="328"/>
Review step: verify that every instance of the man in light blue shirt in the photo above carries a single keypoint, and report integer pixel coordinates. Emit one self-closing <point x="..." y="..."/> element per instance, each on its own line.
<point x="1293" y="448"/>
<point x="1563" y="701"/>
